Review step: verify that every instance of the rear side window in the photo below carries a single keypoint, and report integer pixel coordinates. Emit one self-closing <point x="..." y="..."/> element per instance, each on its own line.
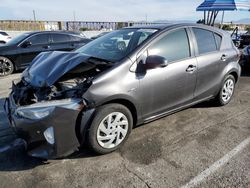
<point x="75" y="38"/>
<point x="205" y="40"/>
<point x="174" y="46"/>
<point x="57" y="38"/>
<point x="39" y="39"/>
<point x="218" y="40"/>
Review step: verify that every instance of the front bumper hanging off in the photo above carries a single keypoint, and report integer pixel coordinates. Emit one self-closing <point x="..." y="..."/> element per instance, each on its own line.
<point x="62" y="120"/>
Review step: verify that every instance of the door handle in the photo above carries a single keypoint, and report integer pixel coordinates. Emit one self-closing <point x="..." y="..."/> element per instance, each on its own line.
<point x="224" y="57"/>
<point x="191" y="68"/>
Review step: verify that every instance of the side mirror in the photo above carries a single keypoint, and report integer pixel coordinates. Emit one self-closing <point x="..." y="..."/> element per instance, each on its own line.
<point x="155" y="61"/>
<point x="26" y="44"/>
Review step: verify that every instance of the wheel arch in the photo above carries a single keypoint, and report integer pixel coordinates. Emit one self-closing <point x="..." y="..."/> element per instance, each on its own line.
<point x="127" y="103"/>
<point x="235" y="75"/>
<point x="84" y="119"/>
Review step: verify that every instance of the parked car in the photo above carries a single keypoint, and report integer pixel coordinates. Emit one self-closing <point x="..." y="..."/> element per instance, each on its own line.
<point x="99" y="92"/>
<point x="245" y="39"/>
<point x="100" y="35"/>
<point x="4" y="37"/>
<point x="245" y="58"/>
<point x="19" y="52"/>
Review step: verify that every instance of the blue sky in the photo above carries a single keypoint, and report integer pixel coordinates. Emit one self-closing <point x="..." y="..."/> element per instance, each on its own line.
<point x="107" y="10"/>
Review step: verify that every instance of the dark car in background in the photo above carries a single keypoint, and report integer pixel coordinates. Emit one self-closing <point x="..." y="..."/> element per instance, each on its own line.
<point x="245" y="58"/>
<point x="19" y="52"/>
<point x="99" y="92"/>
<point x="245" y="39"/>
<point x="100" y="35"/>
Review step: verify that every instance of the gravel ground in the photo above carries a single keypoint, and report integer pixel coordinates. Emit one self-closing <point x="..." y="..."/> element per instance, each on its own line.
<point x="169" y="152"/>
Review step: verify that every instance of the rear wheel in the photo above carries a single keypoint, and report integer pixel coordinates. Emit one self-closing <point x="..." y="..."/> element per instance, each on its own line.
<point x="110" y="128"/>
<point x="6" y="66"/>
<point x="227" y="91"/>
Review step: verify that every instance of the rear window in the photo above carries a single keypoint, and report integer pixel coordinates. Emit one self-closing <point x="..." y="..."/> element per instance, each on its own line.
<point x="75" y="38"/>
<point x="205" y="40"/>
<point x="3" y="33"/>
<point x="57" y="38"/>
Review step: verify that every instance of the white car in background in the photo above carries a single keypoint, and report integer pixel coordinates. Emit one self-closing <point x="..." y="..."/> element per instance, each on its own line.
<point x="4" y="37"/>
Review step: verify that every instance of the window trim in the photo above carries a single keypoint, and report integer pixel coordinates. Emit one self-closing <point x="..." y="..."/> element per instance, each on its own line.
<point x="191" y="54"/>
<point x="218" y="47"/>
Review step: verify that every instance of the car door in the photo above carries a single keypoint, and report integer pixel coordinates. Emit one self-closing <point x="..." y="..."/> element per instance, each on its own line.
<point x="210" y="60"/>
<point x="38" y="43"/>
<point x="61" y="42"/>
<point x="167" y="88"/>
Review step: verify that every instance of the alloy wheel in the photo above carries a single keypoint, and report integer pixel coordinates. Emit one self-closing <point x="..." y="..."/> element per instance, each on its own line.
<point x="112" y="130"/>
<point x="227" y="90"/>
<point x="6" y="66"/>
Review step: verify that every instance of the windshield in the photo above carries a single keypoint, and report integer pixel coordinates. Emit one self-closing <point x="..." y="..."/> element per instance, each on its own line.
<point x="18" y="39"/>
<point x="116" y="45"/>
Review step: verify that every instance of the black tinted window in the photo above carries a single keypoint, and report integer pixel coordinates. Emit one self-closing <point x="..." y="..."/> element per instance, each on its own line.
<point x="75" y="38"/>
<point x="39" y="39"/>
<point x="60" y="38"/>
<point x="218" y="40"/>
<point x="205" y="40"/>
<point x="3" y="33"/>
<point x="174" y="46"/>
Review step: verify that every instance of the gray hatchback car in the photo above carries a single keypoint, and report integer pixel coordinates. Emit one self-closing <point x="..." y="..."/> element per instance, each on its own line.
<point x="135" y="75"/>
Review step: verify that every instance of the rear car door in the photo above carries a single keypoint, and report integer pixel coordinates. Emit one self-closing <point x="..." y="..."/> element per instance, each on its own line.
<point x="39" y="43"/>
<point x="210" y="62"/>
<point x="62" y="42"/>
<point x="172" y="86"/>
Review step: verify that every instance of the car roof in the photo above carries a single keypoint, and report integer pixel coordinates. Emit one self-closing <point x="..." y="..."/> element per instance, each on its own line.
<point x="60" y="32"/>
<point x="170" y="25"/>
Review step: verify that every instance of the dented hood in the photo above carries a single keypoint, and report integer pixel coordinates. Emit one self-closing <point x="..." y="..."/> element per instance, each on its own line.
<point x="48" y="67"/>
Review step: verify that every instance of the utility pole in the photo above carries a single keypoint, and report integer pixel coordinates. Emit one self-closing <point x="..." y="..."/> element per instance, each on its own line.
<point x="34" y="15"/>
<point x="74" y="19"/>
<point x="74" y="15"/>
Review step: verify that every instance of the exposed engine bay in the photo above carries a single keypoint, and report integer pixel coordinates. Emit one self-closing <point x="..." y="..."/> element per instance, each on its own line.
<point x="71" y="85"/>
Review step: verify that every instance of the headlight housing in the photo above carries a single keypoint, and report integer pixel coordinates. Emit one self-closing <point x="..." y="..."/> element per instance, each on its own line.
<point x="43" y="109"/>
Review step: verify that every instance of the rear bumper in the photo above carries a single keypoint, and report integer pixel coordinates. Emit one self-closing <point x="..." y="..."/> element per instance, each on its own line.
<point x="63" y="122"/>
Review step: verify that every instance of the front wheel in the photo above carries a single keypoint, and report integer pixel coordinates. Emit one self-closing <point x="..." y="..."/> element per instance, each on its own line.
<point x="110" y="128"/>
<point x="6" y="66"/>
<point x="226" y="91"/>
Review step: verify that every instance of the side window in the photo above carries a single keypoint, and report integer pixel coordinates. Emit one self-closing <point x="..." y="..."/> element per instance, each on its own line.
<point x="39" y="39"/>
<point x="205" y="40"/>
<point x="57" y="38"/>
<point x="75" y="38"/>
<point x="218" y="40"/>
<point x="174" y="46"/>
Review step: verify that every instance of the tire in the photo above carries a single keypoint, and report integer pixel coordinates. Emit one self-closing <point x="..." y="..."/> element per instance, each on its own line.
<point x="100" y="129"/>
<point x="6" y="66"/>
<point x="225" y="97"/>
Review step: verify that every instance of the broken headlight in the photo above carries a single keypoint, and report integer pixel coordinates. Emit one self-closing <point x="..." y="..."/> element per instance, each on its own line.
<point x="43" y="109"/>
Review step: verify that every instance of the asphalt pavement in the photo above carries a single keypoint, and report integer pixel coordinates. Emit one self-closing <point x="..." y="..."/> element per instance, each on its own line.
<point x="203" y="146"/>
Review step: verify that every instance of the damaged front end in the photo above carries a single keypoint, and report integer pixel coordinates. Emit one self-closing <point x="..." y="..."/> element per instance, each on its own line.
<point x="46" y="105"/>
